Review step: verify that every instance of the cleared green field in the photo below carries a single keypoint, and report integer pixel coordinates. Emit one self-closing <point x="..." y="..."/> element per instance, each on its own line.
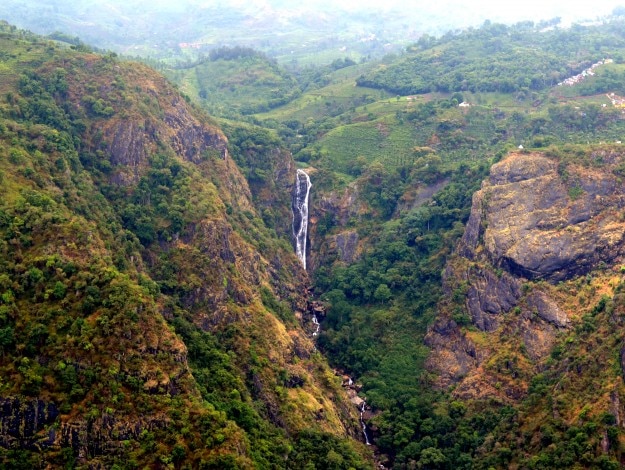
<point x="385" y="132"/>
<point x="384" y="140"/>
<point x="339" y="96"/>
<point x="304" y="57"/>
<point x="7" y="77"/>
<point x="16" y="56"/>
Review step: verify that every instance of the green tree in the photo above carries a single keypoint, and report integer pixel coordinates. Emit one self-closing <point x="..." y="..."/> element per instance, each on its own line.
<point x="382" y="293"/>
<point x="431" y="458"/>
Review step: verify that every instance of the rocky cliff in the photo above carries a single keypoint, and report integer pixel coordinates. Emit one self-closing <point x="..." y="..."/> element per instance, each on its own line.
<point x="332" y="213"/>
<point x="531" y="325"/>
<point x="540" y="225"/>
<point x="541" y="218"/>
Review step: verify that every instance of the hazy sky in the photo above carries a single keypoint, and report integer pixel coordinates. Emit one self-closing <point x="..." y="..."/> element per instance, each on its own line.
<point x="523" y="9"/>
<point x="468" y="12"/>
<point x="510" y="9"/>
<point x="134" y="23"/>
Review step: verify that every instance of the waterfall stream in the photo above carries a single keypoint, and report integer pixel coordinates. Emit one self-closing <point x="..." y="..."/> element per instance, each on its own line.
<point x="315" y="320"/>
<point x="300" y="233"/>
<point x="300" y="214"/>
<point x="362" y="423"/>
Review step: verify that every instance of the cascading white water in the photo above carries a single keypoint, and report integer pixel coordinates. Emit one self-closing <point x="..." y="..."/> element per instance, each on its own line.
<point x="362" y="423"/>
<point x="315" y="320"/>
<point x="300" y="214"/>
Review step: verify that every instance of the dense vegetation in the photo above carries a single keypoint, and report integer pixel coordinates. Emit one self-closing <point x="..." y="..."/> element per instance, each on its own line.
<point x="119" y="307"/>
<point x="387" y="149"/>
<point x="391" y="148"/>
<point x="237" y="80"/>
<point x="407" y="167"/>
<point x="498" y="58"/>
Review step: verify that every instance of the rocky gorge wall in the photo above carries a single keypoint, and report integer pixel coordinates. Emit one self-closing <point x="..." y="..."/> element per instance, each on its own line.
<point x="538" y="225"/>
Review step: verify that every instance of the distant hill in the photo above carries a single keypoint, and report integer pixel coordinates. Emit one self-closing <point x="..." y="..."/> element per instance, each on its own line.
<point x="235" y="81"/>
<point x="497" y="58"/>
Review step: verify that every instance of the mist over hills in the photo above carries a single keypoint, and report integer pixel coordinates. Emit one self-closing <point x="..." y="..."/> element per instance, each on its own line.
<point x="282" y="28"/>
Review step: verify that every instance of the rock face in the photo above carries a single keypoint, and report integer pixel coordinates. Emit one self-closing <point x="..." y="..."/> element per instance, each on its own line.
<point x="32" y="424"/>
<point x="489" y="296"/>
<point x="526" y="221"/>
<point x="27" y="425"/>
<point x="132" y="138"/>
<point x="335" y="209"/>
<point x="451" y="348"/>
<point x="347" y="245"/>
<point x="271" y="177"/>
<point x="547" y="309"/>
<point x="535" y="219"/>
<point x="343" y="246"/>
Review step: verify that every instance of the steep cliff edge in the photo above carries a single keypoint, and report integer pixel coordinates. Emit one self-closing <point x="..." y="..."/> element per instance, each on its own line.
<point x="333" y="211"/>
<point x="148" y="315"/>
<point x="533" y="308"/>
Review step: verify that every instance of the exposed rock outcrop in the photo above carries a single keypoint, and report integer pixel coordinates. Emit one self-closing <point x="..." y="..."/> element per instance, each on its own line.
<point x="547" y="309"/>
<point x="535" y="218"/>
<point x="32" y="424"/>
<point x="189" y="136"/>
<point x="347" y="246"/>
<point x="528" y="220"/>
<point x="271" y="177"/>
<point x="336" y="209"/>
<point x="27" y="424"/>
<point x="489" y="296"/>
<point x="453" y="354"/>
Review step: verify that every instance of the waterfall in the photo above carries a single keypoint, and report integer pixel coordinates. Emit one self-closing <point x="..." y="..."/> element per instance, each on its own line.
<point x="315" y="320"/>
<point x="300" y="214"/>
<point x="361" y="405"/>
<point x="362" y="423"/>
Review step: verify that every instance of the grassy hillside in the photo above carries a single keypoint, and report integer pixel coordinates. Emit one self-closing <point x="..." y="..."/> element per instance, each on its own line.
<point x="234" y="81"/>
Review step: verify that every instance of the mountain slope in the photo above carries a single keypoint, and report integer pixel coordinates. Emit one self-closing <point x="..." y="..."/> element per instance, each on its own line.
<point x="148" y="316"/>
